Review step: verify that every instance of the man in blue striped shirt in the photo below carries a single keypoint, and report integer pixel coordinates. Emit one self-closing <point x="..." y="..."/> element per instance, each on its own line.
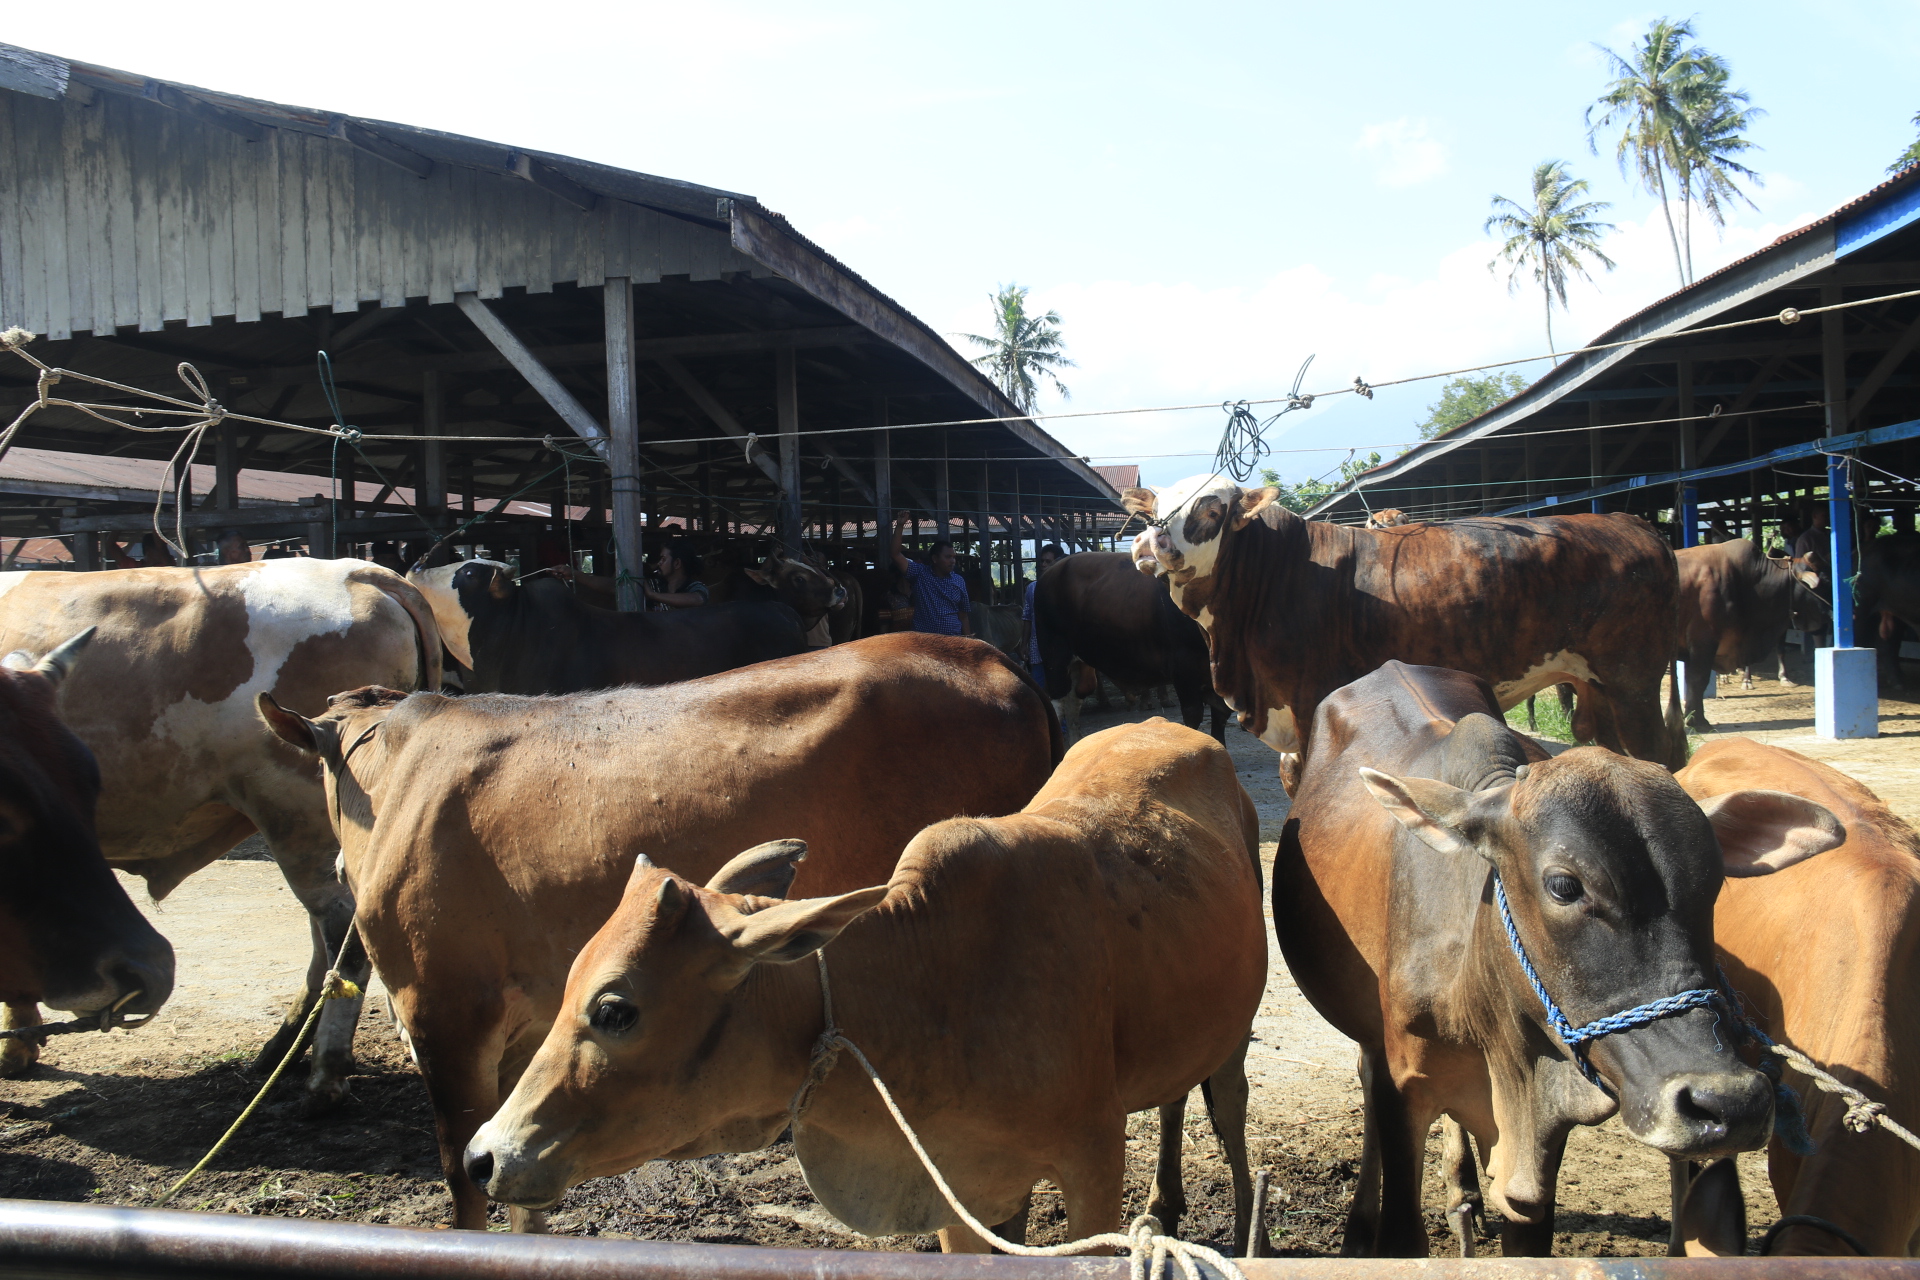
<point x="940" y="602"/>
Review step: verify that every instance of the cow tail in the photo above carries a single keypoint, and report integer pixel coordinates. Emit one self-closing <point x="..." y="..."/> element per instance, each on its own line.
<point x="1056" y="738"/>
<point x="1676" y="723"/>
<point x="426" y="631"/>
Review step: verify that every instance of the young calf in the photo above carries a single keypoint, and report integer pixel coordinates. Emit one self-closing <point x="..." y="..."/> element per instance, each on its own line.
<point x="1415" y="811"/>
<point x="1827" y="956"/>
<point x="1021" y="984"/>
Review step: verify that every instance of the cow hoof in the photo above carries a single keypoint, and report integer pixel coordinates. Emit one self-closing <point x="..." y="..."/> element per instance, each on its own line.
<point x="17" y="1059"/>
<point x="324" y="1098"/>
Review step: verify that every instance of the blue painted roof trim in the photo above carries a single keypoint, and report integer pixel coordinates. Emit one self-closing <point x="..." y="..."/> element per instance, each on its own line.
<point x="1857" y="231"/>
<point x="1789" y="453"/>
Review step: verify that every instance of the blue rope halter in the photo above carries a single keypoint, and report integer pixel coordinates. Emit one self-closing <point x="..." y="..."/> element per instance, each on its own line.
<point x="1577" y="1037"/>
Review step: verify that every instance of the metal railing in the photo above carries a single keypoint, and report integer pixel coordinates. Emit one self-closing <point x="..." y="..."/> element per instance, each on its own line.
<point x="43" y="1239"/>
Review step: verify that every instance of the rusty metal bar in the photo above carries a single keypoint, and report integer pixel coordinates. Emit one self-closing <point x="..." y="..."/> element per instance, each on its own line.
<point x="42" y="1239"/>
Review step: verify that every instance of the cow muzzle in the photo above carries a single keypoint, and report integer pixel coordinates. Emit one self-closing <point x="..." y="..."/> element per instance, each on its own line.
<point x="1153" y="551"/>
<point x="512" y="1170"/>
<point x="1702" y="1115"/>
<point x="131" y="981"/>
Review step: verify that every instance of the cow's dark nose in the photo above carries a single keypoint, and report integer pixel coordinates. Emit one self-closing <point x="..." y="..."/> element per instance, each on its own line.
<point x="1720" y="1113"/>
<point x="480" y="1167"/>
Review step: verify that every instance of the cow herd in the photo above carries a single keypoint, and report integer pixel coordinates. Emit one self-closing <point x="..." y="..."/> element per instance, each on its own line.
<point x="628" y="889"/>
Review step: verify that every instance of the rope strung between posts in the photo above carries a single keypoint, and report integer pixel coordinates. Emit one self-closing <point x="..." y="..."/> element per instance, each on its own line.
<point x="16" y="338"/>
<point x="1150" y="1252"/>
<point x="334" y="987"/>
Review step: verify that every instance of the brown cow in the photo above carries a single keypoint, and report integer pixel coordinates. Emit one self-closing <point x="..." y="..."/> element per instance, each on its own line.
<point x="69" y="935"/>
<point x="1735" y="604"/>
<point x="507" y="825"/>
<point x="1294" y="609"/>
<point x="1827" y="956"/>
<point x="1416" y="804"/>
<point x="165" y="701"/>
<point x="1021" y="983"/>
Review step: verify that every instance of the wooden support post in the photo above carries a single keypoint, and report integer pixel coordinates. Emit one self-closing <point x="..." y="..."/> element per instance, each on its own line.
<point x="1594" y="480"/>
<point x="86" y="549"/>
<point x="882" y="489"/>
<point x="623" y="454"/>
<point x="786" y="398"/>
<point x="942" y="494"/>
<point x="430" y="497"/>
<point x="226" y="470"/>
<point x="1686" y="507"/>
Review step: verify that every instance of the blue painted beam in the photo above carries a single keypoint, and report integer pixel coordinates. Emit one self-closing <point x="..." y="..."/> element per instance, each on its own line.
<point x="1788" y="453"/>
<point x="1856" y="232"/>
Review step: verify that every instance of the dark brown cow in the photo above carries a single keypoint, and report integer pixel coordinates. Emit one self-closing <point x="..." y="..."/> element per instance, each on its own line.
<point x="1294" y="609"/>
<point x="1095" y="607"/>
<point x="536" y="636"/>
<point x="1827" y="956"/>
<point x="69" y="935"/>
<point x="1022" y="984"/>
<point x="507" y="826"/>
<point x="808" y="589"/>
<point x="1887" y="590"/>
<point x="1415" y="805"/>
<point x="1735" y="604"/>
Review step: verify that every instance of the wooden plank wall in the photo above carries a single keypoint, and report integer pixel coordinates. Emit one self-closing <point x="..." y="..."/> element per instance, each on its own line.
<point x="126" y="213"/>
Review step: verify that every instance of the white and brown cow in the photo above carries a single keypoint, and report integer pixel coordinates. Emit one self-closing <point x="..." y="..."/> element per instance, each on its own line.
<point x="165" y="700"/>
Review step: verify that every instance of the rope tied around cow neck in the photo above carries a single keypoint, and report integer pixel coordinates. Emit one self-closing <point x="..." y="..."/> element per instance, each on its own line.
<point x="1789" y="1119"/>
<point x="1149" y="1251"/>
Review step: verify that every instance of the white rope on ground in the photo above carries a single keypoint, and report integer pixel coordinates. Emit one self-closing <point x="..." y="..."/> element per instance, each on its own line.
<point x="1149" y="1250"/>
<point x="1862" y="1112"/>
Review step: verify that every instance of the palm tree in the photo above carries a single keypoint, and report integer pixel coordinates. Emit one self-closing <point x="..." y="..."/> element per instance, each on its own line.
<point x="1551" y="236"/>
<point x="1023" y="349"/>
<point x="1647" y="98"/>
<point x="1713" y="122"/>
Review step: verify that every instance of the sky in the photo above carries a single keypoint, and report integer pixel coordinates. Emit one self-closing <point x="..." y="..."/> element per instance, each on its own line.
<point x="1206" y="193"/>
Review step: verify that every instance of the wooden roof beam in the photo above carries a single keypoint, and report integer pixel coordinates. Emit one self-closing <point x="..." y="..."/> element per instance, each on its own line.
<point x="548" y="178"/>
<point x="382" y="148"/>
<point x="508" y="344"/>
<point x="697" y="393"/>
<point x="233" y="122"/>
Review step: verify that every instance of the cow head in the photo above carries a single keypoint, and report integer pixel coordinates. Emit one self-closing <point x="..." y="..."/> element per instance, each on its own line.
<point x="682" y="1031"/>
<point x="69" y="935"/>
<point x="1200" y="513"/>
<point x="334" y="739"/>
<point x="808" y="589"/>
<point x="1809" y="611"/>
<point x="1611" y="871"/>
<point x="452" y="591"/>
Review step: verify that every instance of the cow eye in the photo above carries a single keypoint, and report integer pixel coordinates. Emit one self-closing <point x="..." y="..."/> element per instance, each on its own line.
<point x="614" y="1015"/>
<point x="1564" y="888"/>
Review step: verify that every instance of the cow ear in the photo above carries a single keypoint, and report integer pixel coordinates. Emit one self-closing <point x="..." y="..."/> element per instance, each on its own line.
<point x="1255" y="504"/>
<point x="1766" y="831"/>
<point x="789" y="931"/>
<point x="1433" y="811"/>
<point x="314" y="737"/>
<point x="1139" y="502"/>
<point x="765" y="871"/>
<point x="757" y="575"/>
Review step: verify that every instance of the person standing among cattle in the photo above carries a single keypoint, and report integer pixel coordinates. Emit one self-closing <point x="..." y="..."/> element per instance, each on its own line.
<point x="678" y="589"/>
<point x="940" y="602"/>
<point x="1029" y="632"/>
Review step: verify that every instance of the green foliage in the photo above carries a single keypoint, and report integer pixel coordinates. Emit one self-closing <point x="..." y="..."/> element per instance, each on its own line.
<point x="1552" y="721"/>
<point x="1467" y="397"/>
<point x="1911" y="155"/>
<point x="1553" y="237"/>
<point x="1022" y="349"/>
<point x="1303" y="497"/>
<point x="1678" y="116"/>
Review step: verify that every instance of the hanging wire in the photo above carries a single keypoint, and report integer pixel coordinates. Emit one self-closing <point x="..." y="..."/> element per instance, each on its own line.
<point x="1242" y="444"/>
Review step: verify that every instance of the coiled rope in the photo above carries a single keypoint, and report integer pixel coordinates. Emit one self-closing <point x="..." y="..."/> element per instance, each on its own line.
<point x="1149" y="1251"/>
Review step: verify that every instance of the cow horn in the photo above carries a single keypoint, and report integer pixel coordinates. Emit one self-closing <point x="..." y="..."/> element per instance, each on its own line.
<point x="766" y="870"/>
<point x="58" y="660"/>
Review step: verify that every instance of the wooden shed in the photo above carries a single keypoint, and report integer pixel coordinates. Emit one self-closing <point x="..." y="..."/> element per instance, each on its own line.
<point x="709" y="364"/>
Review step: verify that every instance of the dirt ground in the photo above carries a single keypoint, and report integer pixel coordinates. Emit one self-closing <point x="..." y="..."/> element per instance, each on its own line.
<point x="116" y="1118"/>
